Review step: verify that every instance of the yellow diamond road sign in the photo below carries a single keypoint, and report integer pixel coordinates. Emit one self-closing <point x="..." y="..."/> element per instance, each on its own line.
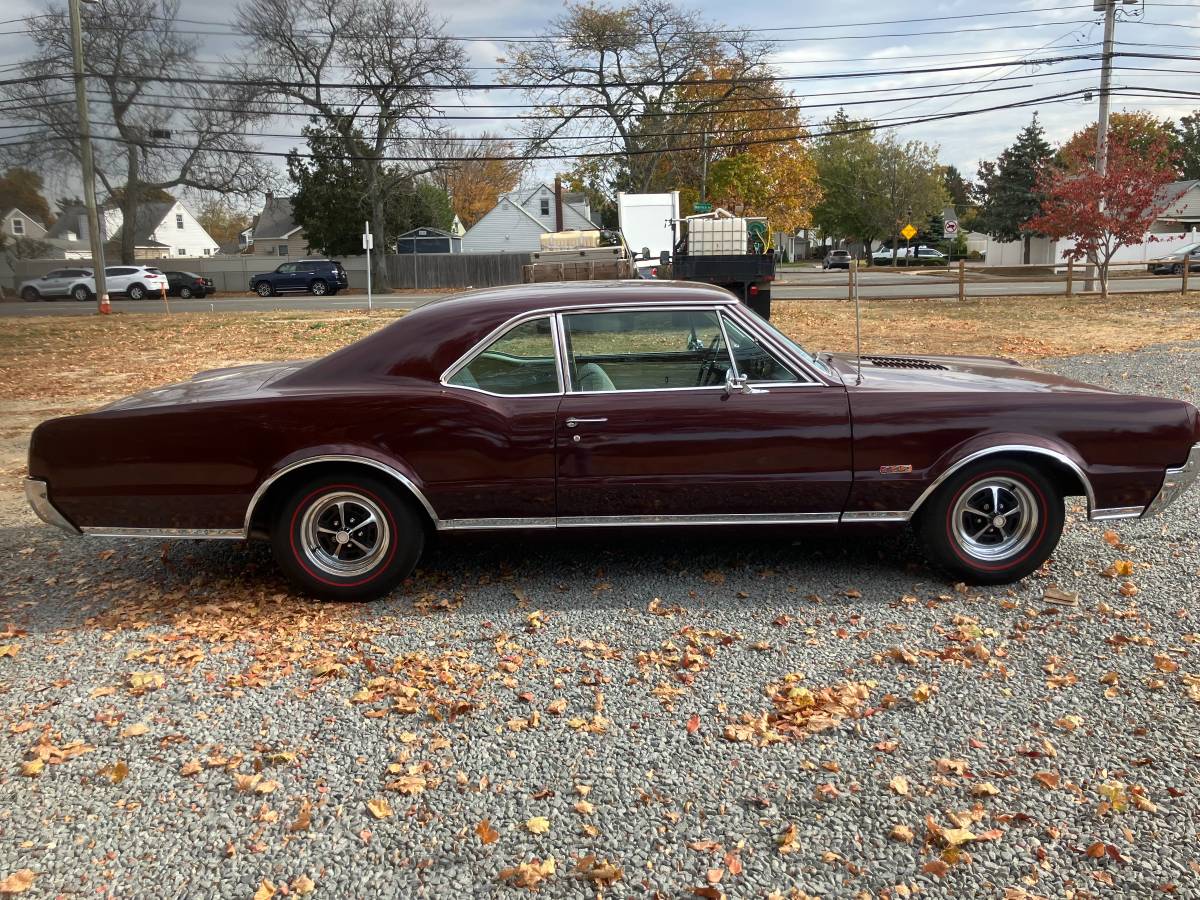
<point x="909" y="232"/>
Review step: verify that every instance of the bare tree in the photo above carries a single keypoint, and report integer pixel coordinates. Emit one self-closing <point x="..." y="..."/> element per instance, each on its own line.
<point x="368" y="69"/>
<point x="621" y="79"/>
<point x="158" y="119"/>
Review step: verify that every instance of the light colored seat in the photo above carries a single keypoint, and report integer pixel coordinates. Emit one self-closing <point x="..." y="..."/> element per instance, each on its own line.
<point x="594" y="378"/>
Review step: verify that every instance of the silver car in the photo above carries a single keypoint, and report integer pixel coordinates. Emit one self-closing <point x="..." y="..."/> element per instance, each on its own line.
<point x="77" y="283"/>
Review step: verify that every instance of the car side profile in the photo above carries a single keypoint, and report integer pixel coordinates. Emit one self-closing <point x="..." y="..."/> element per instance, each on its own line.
<point x="188" y="284"/>
<point x="1172" y="263"/>
<point x="319" y="277"/>
<point x="77" y="284"/>
<point x="592" y="404"/>
<point x="135" y="282"/>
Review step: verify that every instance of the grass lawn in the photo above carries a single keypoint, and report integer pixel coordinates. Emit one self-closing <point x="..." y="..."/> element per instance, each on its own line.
<point x="52" y="365"/>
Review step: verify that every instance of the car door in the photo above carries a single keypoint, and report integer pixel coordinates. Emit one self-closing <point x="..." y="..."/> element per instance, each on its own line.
<point x="286" y="278"/>
<point x="53" y="284"/>
<point x="648" y="430"/>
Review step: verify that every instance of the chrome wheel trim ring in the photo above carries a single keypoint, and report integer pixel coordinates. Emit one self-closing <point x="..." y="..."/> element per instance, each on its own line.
<point x="345" y="533"/>
<point x="995" y="518"/>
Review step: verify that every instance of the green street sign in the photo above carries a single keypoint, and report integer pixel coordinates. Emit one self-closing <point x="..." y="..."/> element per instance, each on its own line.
<point x="702" y="207"/>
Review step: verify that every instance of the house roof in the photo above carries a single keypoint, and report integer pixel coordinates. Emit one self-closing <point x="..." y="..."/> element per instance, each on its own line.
<point x="277" y="221"/>
<point x="6" y="211"/>
<point x="1169" y="193"/>
<point x="426" y="231"/>
<point x="149" y="217"/>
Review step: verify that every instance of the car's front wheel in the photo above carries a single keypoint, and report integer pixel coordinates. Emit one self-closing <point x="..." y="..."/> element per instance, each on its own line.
<point x="993" y="522"/>
<point x="30" y="295"/>
<point x="347" y="537"/>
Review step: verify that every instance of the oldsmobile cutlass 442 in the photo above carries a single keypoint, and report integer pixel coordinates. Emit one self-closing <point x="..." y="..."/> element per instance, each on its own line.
<point x="653" y="404"/>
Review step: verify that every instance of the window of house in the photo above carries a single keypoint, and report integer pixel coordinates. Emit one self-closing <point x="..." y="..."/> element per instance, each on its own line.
<point x="182" y="252"/>
<point x="208" y="251"/>
<point x="18" y="226"/>
<point x="282" y="249"/>
<point x="178" y="220"/>
<point x="645" y="350"/>
<point x="545" y="202"/>
<point x="520" y="361"/>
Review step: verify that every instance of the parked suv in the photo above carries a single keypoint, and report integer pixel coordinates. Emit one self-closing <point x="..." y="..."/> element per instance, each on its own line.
<point x="316" y="276"/>
<point x="77" y="283"/>
<point x="836" y="259"/>
<point x="133" y="281"/>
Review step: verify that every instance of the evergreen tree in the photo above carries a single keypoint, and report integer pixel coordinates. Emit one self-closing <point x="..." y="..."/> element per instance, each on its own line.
<point x="1009" y="186"/>
<point x="1187" y="135"/>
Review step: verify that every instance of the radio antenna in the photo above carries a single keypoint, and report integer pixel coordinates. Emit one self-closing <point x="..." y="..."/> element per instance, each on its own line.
<point x="857" y="319"/>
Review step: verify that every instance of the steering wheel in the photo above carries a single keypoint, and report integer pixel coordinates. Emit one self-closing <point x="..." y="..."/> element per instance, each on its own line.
<point x="708" y="365"/>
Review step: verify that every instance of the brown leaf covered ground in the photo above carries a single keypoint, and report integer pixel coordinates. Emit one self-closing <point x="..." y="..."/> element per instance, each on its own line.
<point x="52" y="366"/>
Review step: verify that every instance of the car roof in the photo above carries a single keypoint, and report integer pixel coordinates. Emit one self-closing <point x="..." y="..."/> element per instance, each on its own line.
<point x="426" y="341"/>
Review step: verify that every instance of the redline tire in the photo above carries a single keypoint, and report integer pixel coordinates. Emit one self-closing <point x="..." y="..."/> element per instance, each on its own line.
<point x="347" y="537"/>
<point x="970" y="535"/>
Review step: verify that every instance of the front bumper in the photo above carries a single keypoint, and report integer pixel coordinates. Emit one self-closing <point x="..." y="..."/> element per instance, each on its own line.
<point x="37" y="493"/>
<point x="1175" y="483"/>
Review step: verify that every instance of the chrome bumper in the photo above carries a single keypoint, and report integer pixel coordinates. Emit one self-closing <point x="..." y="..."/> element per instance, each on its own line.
<point x="39" y="498"/>
<point x="1175" y="483"/>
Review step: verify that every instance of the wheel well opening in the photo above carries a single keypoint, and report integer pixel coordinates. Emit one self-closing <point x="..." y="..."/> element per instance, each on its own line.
<point x="1061" y="475"/>
<point x="277" y="494"/>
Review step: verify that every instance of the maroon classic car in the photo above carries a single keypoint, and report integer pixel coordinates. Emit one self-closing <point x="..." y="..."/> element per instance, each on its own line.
<point x="581" y="405"/>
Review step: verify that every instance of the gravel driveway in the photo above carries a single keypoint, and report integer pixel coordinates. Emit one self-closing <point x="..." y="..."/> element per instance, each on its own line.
<point x="724" y="714"/>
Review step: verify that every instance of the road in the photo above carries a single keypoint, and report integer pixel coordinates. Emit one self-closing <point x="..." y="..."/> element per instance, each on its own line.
<point x="808" y="285"/>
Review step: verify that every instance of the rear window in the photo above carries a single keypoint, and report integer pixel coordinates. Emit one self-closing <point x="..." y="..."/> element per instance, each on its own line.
<point x="153" y="271"/>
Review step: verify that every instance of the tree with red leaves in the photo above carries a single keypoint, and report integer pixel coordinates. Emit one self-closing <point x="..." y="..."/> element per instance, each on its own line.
<point x="1104" y="213"/>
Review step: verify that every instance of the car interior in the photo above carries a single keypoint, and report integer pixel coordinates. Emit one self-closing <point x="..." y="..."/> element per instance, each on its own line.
<point x="622" y="351"/>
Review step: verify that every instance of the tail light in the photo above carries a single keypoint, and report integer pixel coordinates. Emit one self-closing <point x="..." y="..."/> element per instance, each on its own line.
<point x="654" y="272"/>
<point x="754" y="290"/>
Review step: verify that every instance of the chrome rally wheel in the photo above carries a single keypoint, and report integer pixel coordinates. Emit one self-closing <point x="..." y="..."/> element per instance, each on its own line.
<point x="993" y="522"/>
<point x="347" y="536"/>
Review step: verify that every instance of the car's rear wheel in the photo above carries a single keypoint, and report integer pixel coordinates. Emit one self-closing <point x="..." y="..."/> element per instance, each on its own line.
<point x="264" y="289"/>
<point x="347" y="537"/>
<point x="30" y="295"/>
<point x="81" y="293"/>
<point x="136" y="292"/>
<point x="1177" y="269"/>
<point x="993" y="522"/>
<point x="319" y="287"/>
<point x="185" y="292"/>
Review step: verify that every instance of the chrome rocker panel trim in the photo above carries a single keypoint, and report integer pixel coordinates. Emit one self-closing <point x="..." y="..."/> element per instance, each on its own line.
<point x="171" y="534"/>
<point x="38" y="494"/>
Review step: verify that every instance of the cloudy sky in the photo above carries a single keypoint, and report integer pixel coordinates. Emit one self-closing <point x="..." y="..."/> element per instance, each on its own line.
<point x="842" y="39"/>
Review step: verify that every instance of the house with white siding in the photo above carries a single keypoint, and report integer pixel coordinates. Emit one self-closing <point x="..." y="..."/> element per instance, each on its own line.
<point x="519" y="219"/>
<point x="163" y="229"/>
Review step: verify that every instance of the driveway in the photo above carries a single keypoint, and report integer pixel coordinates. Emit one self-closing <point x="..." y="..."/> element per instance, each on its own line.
<point x="640" y="714"/>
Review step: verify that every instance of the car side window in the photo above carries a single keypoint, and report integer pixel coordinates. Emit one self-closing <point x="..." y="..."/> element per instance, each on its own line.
<point x="521" y="361"/>
<point x="645" y="350"/>
<point x="57" y="273"/>
<point x="753" y="359"/>
<point x="286" y="268"/>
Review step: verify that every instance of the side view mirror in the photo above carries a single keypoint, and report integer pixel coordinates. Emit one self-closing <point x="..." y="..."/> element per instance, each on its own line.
<point x="739" y="384"/>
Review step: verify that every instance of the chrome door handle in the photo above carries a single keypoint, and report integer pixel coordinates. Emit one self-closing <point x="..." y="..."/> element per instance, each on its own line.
<point x="572" y="421"/>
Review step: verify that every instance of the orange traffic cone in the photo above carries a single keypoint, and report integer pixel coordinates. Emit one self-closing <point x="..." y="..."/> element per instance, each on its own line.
<point x="105" y="306"/>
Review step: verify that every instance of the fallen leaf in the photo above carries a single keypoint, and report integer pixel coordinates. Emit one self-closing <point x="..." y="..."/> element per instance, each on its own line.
<point x="901" y="833"/>
<point x="598" y="871"/>
<point x="899" y="785"/>
<point x="31" y="768"/>
<point x="486" y="833"/>
<point x="379" y="808"/>
<point x="191" y="767"/>
<point x="584" y="808"/>
<point x="18" y="882"/>
<point x="922" y="692"/>
<point x="693" y="724"/>
<point x="135" y="730"/>
<point x="116" y="772"/>
<point x="1048" y="780"/>
<point x="936" y="867"/>
<point x="303" y="818"/>
<point x="1111" y="538"/>
<point x="302" y="885"/>
<point x="538" y="825"/>
<point x="984" y="789"/>
<point x="266" y="890"/>
<point x="528" y="875"/>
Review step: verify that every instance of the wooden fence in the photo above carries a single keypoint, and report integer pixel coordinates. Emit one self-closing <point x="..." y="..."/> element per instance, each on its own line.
<point x="423" y="271"/>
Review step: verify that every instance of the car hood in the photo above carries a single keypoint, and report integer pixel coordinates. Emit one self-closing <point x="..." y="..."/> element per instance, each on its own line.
<point x="234" y="382"/>
<point x="950" y="373"/>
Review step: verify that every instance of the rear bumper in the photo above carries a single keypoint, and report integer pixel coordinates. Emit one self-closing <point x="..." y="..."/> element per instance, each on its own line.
<point x="38" y="495"/>
<point x="1175" y="482"/>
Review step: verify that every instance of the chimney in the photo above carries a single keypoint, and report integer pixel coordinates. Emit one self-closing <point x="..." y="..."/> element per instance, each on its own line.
<point x="270" y="197"/>
<point x="558" y="223"/>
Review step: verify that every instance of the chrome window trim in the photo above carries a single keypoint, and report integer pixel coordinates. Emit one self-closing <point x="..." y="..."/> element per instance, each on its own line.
<point x="195" y="534"/>
<point x="338" y="457"/>
<point x="1009" y="448"/>
<point x="751" y="323"/>
<point x="728" y="343"/>
<point x="715" y="309"/>
<point x="480" y="346"/>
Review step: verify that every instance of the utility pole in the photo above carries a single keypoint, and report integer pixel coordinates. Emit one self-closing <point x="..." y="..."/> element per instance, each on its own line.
<point x="1106" y="61"/>
<point x="85" y="153"/>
